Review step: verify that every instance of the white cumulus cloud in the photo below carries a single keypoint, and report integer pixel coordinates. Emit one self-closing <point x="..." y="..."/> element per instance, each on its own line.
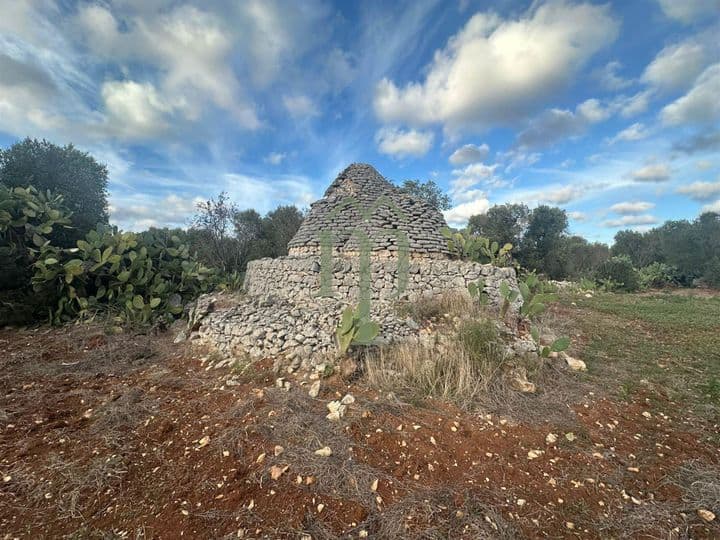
<point x="631" y="221"/>
<point x="700" y="105"/>
<point x="635" y="132"/>
<point x="609" y="78"/>
<point x="701" y="191"/>
<point x="459" y="215"/>
<point x="402" y="143"/>
<point x="658" y="172"/>
<point x="676" y="66"/>
<point x="556" y="124"/>
<point x="470" y="153"/>
<point x="491" y="72"/>
<point x="632" y="207"/>
<point x="687" y="11"/>
<point x="712" y="207"/>
<point x="135" y="109"/>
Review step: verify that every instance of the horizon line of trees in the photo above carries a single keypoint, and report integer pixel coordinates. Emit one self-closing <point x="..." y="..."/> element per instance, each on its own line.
<point x="227" y="238"/>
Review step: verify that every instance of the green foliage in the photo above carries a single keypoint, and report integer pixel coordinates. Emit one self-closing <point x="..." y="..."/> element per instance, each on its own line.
<point x="618" y="273"/>
<point x="505" y="223"/>
<point x="479" y="338"/>
<point x="225" y="237"/>
<point x="587" y="284"/>
<point x="509" y="296"/>
<point x="477" y="290"/>
<point x="27" y="218"/>
<point x="465" y="245"/>
<point x="66" y="171"/>
<point x="559" y="345"/>
<point x="658" y="275"/>
<point x="138" y="279"/>
<point x="689" y="246"/>
<point x="575" y="258"/>
<point x="711" y="276"/>
<point x="535" y="296"/>
<point x="427" y="191"/>
<point x="541" y="245"/>
<point x="355" y="328"/>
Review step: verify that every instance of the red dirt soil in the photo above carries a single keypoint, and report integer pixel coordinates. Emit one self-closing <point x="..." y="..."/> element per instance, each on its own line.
<point x="105" y="436"/>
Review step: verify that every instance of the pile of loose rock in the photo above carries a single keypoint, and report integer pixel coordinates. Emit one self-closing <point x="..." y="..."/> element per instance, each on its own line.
<point x="279" y="328"/>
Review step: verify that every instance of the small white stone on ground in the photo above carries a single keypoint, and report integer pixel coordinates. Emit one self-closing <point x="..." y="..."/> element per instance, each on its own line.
<point x="314" y="389"/>
<point x="706" y="515"/>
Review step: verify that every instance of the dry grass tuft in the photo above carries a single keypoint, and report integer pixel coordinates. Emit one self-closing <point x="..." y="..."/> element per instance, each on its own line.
<point x="436" y="306"/>
<point x="461" y="370"/>
<point x="701" y="484"/>
<point x="442" y="513"/>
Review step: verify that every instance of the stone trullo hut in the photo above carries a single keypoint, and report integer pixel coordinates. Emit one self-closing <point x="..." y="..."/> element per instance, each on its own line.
<point x="292" y="304"/>
<point x="360" y="201"/>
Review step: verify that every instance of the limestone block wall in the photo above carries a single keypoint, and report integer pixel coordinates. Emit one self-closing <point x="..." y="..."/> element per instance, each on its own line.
<point x="299" y="277"/>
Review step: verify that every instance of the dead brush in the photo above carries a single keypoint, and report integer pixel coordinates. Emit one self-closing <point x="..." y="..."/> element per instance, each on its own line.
<point x="461" y="369"/>
<point x="79" y="484"/>
<point x="114" y="419"/>
<point x="301" y="429"/>
<point x="441" y="513"/>
<point x="429" y="307"/>
<point x="701" y="485"/>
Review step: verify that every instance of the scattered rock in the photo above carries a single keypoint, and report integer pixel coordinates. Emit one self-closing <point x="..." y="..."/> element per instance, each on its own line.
<point x="519" y="382"/>
<point x="348" y="367"/>
<point x="533" y="454"/>
<point x="325" y="451"/>
<point x="314" y="389"/>
<point x="203" y="442"/>
<point x="278" y="450"/>
<point x="337" y="410"/>
<point x="574" y="363"/>
<point x="706" y="515"/>
<point x="551" y="438"/>
<point x="570" y="436"/>
<point x="276" y="471"/>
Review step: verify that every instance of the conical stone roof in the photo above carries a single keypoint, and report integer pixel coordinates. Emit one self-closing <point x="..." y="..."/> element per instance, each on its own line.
<point x="361" y="203"/>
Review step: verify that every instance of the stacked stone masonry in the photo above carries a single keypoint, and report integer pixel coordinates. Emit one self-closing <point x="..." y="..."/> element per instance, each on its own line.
<point x="359" y="204"/>
<point x="298" y="278"/>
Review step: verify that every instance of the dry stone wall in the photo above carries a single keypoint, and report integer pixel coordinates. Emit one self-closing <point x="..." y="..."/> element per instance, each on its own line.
<point x="299" y="277"/>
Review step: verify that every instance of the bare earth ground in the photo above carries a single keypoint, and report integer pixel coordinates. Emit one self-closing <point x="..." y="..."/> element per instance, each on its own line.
<point x="131" y="437"/>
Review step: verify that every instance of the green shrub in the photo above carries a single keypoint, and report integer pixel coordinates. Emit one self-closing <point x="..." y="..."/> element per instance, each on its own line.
<point x="356" y="327"/>
<point x="27" y="218"/>
<point x="658" y="275"/>
<point x="465" y="245"/>
<point x="479" y="338"/>
<point x="136" y="280"/>
<point x="618" y="273"/>
<point x="711" y="276"/>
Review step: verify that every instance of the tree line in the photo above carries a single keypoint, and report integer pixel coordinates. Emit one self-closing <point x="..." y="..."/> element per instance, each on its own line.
<point x="225" y="237"/>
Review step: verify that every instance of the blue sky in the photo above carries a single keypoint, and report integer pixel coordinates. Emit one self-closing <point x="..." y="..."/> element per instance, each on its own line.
<point x="609" y="110"/>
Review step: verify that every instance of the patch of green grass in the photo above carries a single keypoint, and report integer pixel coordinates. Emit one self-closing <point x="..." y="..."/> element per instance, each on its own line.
<point x="671" y="341"/>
